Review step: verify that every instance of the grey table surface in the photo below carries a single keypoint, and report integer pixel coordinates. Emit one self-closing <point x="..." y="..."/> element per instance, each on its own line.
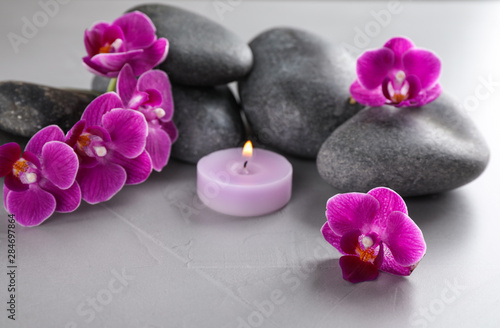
<point x="153" y="256"/>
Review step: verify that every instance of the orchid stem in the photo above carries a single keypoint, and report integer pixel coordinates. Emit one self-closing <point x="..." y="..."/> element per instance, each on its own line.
<point x="112" y="85"/>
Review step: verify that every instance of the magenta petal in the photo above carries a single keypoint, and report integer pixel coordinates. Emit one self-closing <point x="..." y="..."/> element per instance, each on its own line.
<point x="331" y="237"/>
<point x="30" y="157"/>
<point x="90" y="42"/>
<point x="367" y="97"/>
<point x="389" y="202"/>
<point x="399" y="46"/>
<point x="31" y="207"/>
<point x="128" y="130"/>
<point x="110" y="64"/>
<point x="432" y="94"/>
<point x="137" y="100"/>
<point x="151" y="57"/>
<point x="385" y="88"/>
<point x="9" y="154"/>
<point x="404" y="238"/>
<point x="138" y="169"/>
<point x="158" y="80"/>
<point x="390" y="265"/>
<point x="101" y="182"/>
<point x="49" y="133"/>
<point x="379" y="260"/>
<point x="354" y="270"/>
<point x="424" y="64"/>
<point x="100" y="132"/>
<point x="158" y="146"/>
<point x="93" y="37"/>
<point x="373" y="66"/>
<point x="414" y="86"/>
<point x="6" y="192"/>
<point x="74" y="133"/>
<point x="126" y="84"/>
<point x="60" y="164"/>
<point x="98" y="107"/>
<point x="86" y="161"/>
<point x="427" y="96"/>
<point x="14" y="183"/>
<point x="154" y="98"/>
<point x="171" y="129"/>
<point x="112" y="33"/>
<point x="349" y="242"/>
<point x="352" y="211"/>
<point x="138" y="29"/>
<point x="97" y="69"/>
<point x="154" y="79"/>
<point x="67" y="200"/>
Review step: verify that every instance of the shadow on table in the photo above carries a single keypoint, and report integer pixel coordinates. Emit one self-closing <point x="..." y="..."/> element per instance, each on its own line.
<point x="386" y="295"/>
<point x="426" y="210"/>
<point x="445" y="219"/>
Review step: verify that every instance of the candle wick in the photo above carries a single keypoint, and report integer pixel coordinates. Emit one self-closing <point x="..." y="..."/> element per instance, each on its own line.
<point x="245" y="164"/>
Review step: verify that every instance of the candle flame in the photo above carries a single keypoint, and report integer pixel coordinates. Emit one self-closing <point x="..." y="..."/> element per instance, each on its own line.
<point x="247" y="149"/>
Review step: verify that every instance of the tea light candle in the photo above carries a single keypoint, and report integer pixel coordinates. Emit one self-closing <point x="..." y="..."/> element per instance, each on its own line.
<point x="244" y="181"/>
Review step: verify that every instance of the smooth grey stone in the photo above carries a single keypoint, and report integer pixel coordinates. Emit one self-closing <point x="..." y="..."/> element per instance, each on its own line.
<point x="298" y="90"/>
<point x="6" y="137"/>
<point x="25" y="108"/>
<point x="414" y="151"/>
<point x="201" y="52"/>
<point x="208" y="119"/>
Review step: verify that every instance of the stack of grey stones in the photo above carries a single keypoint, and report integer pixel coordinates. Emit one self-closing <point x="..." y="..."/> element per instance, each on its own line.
<point x="293" y="97"/>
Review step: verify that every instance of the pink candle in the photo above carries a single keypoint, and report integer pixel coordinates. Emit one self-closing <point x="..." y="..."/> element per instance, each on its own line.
<point x="238" y="182"/>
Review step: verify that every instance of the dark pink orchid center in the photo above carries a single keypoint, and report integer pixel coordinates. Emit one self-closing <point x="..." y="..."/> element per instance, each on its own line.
<point x="396" y="90"/>
<point x="91" y="145"/>
<point x="152" y="114"/>
<point x="367" y="249"/>
<point x="147" y="103"/>
<point x="25" y="171"/>
<point x="111" y="47"/>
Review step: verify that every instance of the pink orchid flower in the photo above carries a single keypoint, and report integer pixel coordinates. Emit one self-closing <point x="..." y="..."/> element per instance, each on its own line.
<point x="110" y="143"/>
<point x="151" y="95"/>
<point x="129" y="39"/>
<point x="397" y="74"/>
<point x="374" y="232"/>
<point x="42" y="180"/>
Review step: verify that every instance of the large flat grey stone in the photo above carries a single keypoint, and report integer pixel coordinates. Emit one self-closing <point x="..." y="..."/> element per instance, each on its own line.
<point x="415" y="151"/>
